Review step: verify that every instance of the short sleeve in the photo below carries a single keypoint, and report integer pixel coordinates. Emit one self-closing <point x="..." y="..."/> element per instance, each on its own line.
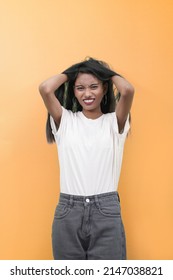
<point x="53" y="126"/>
<point x="57" y="130"/>
<point x="126" y="128"/>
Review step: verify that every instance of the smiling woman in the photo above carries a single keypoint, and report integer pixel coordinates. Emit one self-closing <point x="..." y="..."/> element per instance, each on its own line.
<point x="85" y="121"/>
<point x="89" y="92"/>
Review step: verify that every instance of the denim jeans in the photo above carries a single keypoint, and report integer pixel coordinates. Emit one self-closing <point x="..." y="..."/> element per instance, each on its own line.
<point x="88" y="228"/>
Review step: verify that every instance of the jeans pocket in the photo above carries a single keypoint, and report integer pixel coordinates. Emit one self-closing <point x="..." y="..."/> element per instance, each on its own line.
<point x="109" y="208"/>
<point x="62" y="210"/>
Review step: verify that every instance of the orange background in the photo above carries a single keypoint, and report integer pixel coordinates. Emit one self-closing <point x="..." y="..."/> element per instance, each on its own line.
<point x="41" y="38"/>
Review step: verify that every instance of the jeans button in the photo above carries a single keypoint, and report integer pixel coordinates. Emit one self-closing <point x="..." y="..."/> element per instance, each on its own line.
<point x="87" y="200"/>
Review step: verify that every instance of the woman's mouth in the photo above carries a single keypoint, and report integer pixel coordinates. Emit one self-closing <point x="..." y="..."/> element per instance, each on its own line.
<point x="89" y="101"/>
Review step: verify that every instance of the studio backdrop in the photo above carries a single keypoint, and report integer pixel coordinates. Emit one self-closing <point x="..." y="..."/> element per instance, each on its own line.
<point x="41" y="38"/>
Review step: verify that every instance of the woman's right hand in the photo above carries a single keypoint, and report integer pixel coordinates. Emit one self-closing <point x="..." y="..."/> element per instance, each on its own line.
<point x="72" y="71"/>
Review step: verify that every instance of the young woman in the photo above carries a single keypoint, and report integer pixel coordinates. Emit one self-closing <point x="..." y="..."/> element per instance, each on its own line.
<point x="89" y="125"/>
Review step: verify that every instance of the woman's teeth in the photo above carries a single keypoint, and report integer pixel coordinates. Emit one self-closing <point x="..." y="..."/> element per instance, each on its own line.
<point x="88" y="101"/>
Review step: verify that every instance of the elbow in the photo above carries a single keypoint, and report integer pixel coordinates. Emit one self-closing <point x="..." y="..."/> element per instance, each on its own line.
<point x="128" y="90"/>
<point x="44" y="89"/>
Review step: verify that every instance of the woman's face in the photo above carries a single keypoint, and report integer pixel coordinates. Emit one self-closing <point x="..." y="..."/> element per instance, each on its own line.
<point x="89" y="92"/>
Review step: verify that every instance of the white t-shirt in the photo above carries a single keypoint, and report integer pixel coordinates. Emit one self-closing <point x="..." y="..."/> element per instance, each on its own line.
<point x="90" y="152"/>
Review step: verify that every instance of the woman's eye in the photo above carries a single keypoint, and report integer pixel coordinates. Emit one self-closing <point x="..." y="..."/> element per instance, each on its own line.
<point x="80" y="88"/>
<point x="94" y="87"/>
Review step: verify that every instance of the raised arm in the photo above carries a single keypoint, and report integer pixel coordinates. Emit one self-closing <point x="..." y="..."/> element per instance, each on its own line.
<point x="125" y="102"/>
<point x="47" y="91"/>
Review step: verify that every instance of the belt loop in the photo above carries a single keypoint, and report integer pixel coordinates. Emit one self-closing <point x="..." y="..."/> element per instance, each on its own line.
<point x="96" y="200"/>
<point x="71" y="200"/>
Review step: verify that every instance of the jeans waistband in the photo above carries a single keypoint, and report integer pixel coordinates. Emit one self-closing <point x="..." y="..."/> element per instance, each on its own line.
<point x="90" y="198"/>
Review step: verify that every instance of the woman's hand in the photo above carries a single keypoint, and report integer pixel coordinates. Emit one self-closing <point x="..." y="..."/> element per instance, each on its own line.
<point x="72" y="71"/>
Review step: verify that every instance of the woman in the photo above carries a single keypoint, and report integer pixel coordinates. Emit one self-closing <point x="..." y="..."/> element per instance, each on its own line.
<point x="89" y="125"/>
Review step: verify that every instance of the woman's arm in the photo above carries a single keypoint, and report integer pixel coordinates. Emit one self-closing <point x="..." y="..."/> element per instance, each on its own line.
<point x="47" y="91"/>
<point x="126" y="97"/>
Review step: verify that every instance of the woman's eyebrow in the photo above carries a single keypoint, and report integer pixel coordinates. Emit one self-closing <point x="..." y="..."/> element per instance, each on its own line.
<point x="78" y="85"/>
<point x="92" y="84"/>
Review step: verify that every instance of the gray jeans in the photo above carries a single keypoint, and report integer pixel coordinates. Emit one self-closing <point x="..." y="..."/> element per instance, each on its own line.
<point x="88" y="228"/>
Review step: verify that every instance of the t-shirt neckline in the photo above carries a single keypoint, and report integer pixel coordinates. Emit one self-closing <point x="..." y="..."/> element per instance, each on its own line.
<point x="89" y="119"/>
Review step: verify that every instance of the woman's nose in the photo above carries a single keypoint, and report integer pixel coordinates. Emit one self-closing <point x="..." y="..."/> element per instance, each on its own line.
<point x="87" y="91"/>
